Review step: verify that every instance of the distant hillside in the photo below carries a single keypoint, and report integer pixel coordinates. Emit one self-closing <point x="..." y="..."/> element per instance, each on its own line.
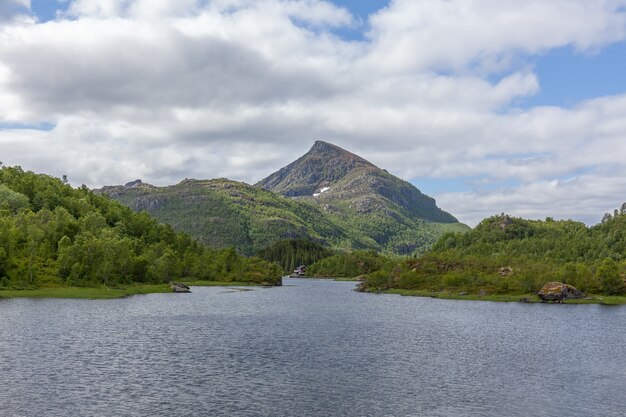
<point x="223" y="213"/>
<point x="329" y="196"/>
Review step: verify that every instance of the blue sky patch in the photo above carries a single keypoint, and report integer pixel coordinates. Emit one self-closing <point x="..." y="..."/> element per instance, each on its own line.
<point x="46" y="10"/>
<point x="434" y="186"/>
<point x="361" y="10"/>
<point x="567" y="77"/>
<point x="27" y="126"/>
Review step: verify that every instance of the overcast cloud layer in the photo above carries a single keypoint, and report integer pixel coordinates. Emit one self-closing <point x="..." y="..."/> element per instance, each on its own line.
<point x="162" y="90"/>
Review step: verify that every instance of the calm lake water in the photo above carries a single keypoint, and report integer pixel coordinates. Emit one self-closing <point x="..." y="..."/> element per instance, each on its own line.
<point x="310" y="348"/>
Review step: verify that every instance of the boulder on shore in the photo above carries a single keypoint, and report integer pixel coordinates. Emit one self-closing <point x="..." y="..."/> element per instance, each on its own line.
<point x="178" y="287"/>
<point x="558" y="291"/>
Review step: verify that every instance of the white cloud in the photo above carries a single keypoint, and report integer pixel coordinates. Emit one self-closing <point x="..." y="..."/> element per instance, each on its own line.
<point x="444" y="34"/>
<point x="584" y="198"/>
<point x="163" y="90"/>
<point x="13" y="9"/>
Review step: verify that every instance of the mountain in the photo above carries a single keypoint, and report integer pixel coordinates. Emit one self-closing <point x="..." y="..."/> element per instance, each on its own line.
<point x="329" y="196"/>
<point x="359" y="196"/>
<point x="331" y="175"/>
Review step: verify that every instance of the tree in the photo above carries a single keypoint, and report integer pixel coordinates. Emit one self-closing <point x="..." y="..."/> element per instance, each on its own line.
<point x="569" y="273"/>
<point x="166" y="268"/>
<point x="4" y="263"/>
<point x="35" y="237"/>
<point x="12" y="200"/>
<point x="609" y="277"/>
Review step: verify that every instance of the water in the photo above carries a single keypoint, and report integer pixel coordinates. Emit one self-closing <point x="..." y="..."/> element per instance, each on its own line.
<point x="310" y="348"/>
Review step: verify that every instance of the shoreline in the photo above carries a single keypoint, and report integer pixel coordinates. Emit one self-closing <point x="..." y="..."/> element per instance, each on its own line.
<point x="111" y="293"/>
<point x="507" y="298"/>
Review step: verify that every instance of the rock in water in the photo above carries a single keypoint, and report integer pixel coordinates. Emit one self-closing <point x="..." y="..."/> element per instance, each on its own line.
<point x="558" y="291"/>
<point x="178" y="287"/>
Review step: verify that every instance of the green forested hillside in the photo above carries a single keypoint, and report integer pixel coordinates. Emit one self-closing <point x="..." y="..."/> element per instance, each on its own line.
<point x="52" y="234"/>
<point x="223" y="213"/>
<point x="504" y="254"/>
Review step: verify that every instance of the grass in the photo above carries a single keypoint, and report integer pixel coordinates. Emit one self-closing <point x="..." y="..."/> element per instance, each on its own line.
<point x="108" y="293"/>
<point x="448" y="295"/>
<point x="92" y="293"/>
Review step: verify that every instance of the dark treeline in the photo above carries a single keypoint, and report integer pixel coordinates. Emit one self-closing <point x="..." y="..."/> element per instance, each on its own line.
<point x="290" y="253"/>
<point x="504" y="254"/>
<point x="351" y="264"/>
<point x="54" y="234"/>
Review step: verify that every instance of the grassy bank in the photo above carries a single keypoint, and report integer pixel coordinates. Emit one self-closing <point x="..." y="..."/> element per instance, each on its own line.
<point x="107" y="293"/>
<point x="533" y="298"/>
<point x="92" y="293"/>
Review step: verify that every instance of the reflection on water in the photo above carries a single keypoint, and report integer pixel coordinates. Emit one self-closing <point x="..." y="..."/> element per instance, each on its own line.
<point x="310" y="348"/>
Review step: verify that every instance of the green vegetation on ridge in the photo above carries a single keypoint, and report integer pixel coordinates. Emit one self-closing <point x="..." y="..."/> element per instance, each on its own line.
<point x="507" y="255"/>
<point x="223" y="213"/>
<point x="53" y="235"/>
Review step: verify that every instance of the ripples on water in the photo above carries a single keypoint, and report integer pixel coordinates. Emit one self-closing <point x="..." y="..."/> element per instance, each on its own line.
<point x="310" y="348"/>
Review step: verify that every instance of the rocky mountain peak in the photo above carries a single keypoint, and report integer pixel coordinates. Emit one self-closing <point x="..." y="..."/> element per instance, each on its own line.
<point x="135" y="183"/>
<point x="333" y="154"/>
<point x="331" y="175"/>
<point x="323" y="165"/>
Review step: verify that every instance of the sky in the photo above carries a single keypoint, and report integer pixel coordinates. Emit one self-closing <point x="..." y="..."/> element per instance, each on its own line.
<point x="489" y="106"/>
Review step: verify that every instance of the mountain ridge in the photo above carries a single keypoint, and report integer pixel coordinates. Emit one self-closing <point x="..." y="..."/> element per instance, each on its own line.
<point x="329" y="195"/>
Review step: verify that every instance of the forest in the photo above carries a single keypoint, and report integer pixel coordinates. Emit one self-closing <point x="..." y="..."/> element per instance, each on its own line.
<point x="290" y="253"/>
<point x="350" y="264"/>
<point x="322" y="261"/>
<point x="509" y="255"/>
<point x="52" y="234"/>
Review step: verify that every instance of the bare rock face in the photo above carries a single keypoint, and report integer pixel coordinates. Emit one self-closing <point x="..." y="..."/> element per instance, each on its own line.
<point x="558" y="291"/>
